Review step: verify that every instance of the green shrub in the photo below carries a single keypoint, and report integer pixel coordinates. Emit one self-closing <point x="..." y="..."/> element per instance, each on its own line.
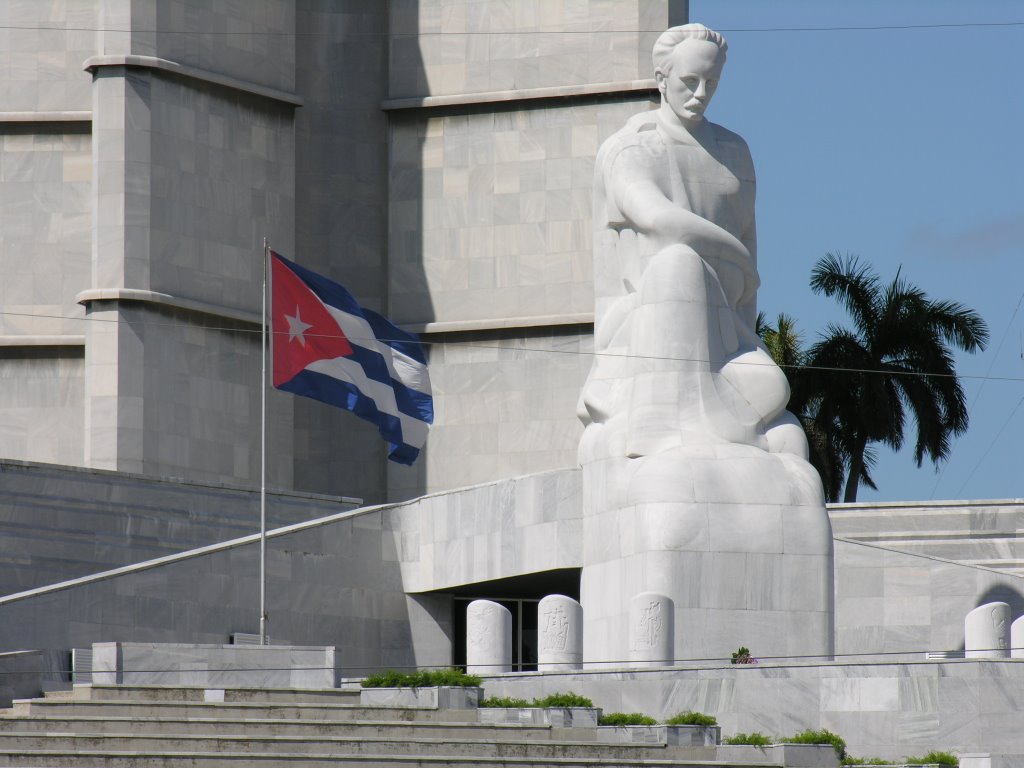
<point x="554" y="700"/>
<point x="692" y="718"/>
<point x="867" y="761"/>
<point x="626" y="718"/>
<point x="755" y="739"/>
<point x="391" y="678"/>
<point x="932" y="758"/>
<point x="819" y="737"/>
<point x="742" y="656"/>
<point x="508" y="702"/>
<point x="563" y="700"/>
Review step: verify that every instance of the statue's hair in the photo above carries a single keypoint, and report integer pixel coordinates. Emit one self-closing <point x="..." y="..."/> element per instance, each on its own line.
<point x="673" y="36"/>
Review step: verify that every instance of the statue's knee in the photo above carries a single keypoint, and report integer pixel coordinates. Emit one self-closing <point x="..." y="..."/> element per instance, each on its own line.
<point x="676" y="272"/>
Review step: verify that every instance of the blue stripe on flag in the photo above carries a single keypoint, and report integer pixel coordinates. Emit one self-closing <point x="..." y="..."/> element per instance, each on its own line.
<point x="337" y="296"/>
<point x="369" y="355"/>
<point x="399" y="340"/>
<point x="343" y="394"/>
<point x="419" y="405"/>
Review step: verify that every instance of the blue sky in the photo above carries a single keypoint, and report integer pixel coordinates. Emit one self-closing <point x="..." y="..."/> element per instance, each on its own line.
<point x="905" y="147"/>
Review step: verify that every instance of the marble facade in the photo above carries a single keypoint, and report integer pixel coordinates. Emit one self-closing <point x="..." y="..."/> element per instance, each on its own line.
<point x="437" y="157"/>
<point x="434" y="157"/>
<point x="398" y="565"/>
<point x="699" y="505"/>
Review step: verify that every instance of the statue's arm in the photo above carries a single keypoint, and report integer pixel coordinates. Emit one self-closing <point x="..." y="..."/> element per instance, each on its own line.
<point x="634" y="188"/>
<point x="747" y="306"/>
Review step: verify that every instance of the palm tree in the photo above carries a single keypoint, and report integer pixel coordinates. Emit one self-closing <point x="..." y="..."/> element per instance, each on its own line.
<point x="826" y="452"/>
<point x="897" y="357"/>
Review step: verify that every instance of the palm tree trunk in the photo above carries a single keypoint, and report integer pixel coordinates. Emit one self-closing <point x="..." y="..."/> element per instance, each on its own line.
<point x="856" y="467"/>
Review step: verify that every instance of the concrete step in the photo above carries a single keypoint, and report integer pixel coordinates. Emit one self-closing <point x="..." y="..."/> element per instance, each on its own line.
<point x="98" y="692"/>
<point x="295" y="728"/>
<point x="235" y="710"/>
<point x="53" y="758"/>
<point x="340" y="746"/>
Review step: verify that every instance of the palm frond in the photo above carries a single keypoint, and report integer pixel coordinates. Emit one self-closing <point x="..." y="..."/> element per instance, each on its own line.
<point x="854" y="285"/>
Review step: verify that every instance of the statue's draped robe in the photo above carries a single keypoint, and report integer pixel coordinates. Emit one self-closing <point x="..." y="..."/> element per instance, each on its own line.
<point x="678" y="362"/>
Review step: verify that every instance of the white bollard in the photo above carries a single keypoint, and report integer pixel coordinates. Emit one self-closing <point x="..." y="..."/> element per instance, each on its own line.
<point x="1017" y="639"/>
<point x="986" y="631"/>
<point x="559" y="634"/>
<point x="651" y="630"/>
<point x="488" y="638"/>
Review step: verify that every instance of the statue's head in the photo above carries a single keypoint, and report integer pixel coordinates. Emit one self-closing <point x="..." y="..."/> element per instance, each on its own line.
<point x="688" y="62"/>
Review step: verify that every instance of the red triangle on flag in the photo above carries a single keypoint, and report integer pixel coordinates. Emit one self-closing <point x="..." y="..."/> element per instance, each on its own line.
<point x="304" y="330"/>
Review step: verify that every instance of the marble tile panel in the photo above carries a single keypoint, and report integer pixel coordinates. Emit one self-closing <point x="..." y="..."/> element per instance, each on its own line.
<point x="860" y="581"/>
<point x="908" y="611"/>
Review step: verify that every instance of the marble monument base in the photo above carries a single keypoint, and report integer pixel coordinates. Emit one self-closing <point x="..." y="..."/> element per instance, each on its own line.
<point x="690" y="554"/>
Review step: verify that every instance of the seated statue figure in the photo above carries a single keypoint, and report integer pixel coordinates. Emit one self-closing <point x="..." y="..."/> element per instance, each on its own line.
<point x="686" y="430"/>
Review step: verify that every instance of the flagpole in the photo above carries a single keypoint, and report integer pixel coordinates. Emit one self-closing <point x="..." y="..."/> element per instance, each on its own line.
<point x="263" y="454"/>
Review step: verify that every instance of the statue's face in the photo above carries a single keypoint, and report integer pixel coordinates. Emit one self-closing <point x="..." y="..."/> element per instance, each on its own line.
<point x="689" y="77"/>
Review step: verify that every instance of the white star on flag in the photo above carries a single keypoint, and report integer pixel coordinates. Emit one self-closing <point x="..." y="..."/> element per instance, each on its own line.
<point x="296" y="327"/>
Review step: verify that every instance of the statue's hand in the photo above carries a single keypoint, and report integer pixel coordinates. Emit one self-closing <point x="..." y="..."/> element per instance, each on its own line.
<point x="722" y="251"/>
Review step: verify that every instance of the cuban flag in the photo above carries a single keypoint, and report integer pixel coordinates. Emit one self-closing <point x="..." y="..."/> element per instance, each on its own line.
<point x="327" y="347"/>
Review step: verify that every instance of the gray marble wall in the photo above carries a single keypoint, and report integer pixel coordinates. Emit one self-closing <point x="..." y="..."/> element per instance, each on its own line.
<point x="60" y="523"/>
<point x="373" y="583"/>
<point x="41" y="390"/>
<point x="490" y="210"/>
<point x="23" y="673"/>
<point x="900" y="603"/>
<point x="974" y="532"/>
<point x="881" y="709"/>
<point x="334" y="582"/>
<point x="45" y="225"/>
<point x="135" y="196"/>
<point x="505" y="405"/>
<point x="442" y="47"/>
<point x="341" y="213"/>
<point x="45" y="43"/>
<point x="190" y="176"/>
<point x="497" y="110"/>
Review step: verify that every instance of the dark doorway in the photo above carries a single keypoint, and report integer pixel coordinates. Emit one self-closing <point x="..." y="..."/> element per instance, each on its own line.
<point x="520" y="594"/>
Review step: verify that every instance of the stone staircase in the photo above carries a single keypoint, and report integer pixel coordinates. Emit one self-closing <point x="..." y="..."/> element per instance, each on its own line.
<point x="142" y="726"/>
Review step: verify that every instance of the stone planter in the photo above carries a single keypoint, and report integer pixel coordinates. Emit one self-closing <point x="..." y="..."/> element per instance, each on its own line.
<point x="789" y="755"/>
<point x="215" y="665"/>
<point x="670" y="735"/>
<point x="429" y="697"/>
<point x="557" y="717"/>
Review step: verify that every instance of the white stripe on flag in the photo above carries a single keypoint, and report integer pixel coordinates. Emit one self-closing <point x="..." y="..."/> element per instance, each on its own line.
<point x="414" y="431"/>
<point x="403" y="368"/>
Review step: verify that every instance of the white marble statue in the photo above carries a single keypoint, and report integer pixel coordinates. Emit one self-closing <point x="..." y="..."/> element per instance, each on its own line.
<point x="688" y="452"/>
<point x="677" y="279"/>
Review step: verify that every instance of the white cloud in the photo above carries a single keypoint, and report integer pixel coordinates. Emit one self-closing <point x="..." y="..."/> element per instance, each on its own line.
<point x="993" y="238"/>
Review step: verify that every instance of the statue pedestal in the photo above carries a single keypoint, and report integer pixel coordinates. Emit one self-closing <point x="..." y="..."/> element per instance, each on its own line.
<point x="737" y="538"/>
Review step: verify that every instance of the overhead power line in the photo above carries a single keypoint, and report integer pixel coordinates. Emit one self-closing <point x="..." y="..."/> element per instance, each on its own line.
<point x="991" y="445"/>
<point x="977" y="395"/>
<point x="505" y="33"/>
<point x="538" y="350"/>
